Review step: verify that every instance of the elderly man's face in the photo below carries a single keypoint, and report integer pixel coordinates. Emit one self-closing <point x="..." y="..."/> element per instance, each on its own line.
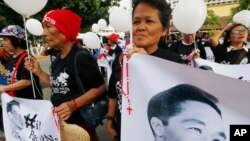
<point x="52" y="36"/>
<point x="196" y="122"/>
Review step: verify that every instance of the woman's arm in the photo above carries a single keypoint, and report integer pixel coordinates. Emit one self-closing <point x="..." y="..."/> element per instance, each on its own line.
<point x="91" y="95"/>
<point x="66" y="109"/>
<point x="214" y="40"/>
<point x="21" y="84"/>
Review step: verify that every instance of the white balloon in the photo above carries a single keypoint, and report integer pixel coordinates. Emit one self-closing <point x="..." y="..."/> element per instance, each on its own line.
<point x="91" y="40"/>
<point x="95" y="28"/>
<point x="102" y="24"/>
<point x="188" y="17"/>
<point x="34" y="27"/>
<point x="120" y="19"/>
<point x="26" y="7"/>
<point x="242" y="17"/>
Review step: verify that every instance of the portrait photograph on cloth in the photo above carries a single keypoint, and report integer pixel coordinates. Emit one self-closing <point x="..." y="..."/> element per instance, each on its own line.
<point x="173" y="102"/>
<point x="27" y="120"/>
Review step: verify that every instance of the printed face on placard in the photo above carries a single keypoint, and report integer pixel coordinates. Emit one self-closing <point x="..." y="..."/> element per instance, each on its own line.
<point x="196" y="122"/>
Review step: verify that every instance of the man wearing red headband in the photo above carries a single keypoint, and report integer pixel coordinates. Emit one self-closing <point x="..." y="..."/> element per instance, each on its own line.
<point x="61" y="28"/>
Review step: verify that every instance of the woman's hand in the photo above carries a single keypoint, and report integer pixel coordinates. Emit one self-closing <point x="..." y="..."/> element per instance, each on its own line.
<point x="229" y="26"/>
<point x="136" y="50"/>
<point x="32" y="65"/>
<point x="196" y="53"/>
<point x="64" y="110"/>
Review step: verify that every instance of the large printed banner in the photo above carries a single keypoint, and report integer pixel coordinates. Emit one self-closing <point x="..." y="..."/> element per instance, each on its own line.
<point x="235" y="71"/>
<point x="28" y="120"/>
<point x="174" y="102"/>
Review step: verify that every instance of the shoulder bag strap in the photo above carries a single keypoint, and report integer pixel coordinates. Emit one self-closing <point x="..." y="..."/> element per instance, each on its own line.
<point x="17" y="66"/>
<point x="78" y="80"/>
<point x="242" y="55"/>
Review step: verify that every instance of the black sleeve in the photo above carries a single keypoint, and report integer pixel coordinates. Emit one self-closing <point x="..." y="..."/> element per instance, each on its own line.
<point x="114" y="78"/>
<point x="219" y="53"/>
<point x="89" y="71"/>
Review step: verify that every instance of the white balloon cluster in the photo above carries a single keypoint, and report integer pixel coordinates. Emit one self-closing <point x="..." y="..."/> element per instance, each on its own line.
<point x="188" y="17"/>
<point x="95" y="28"/>
<point x="101" y="25"/>
<point x="242" y="17"/>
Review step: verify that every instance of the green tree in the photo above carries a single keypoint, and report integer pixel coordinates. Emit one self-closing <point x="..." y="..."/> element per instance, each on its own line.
<point x="212" y="18"/>
<point x="8" y="16"/>
<point x="243" y="5"/>
<point x="90" y="10"/>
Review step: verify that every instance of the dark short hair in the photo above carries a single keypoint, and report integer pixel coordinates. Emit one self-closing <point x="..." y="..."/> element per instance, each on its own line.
<point x="161" y="5"/>
<point x="167" y="104"/>
<point x="10" y="104"/>
<point x="17" y="42"/>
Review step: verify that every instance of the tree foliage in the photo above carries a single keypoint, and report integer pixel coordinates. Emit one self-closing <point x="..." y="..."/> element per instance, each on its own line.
<point x="243" y="5"/>
<point x="90" y="11"/>
<point x="212" y="18"/>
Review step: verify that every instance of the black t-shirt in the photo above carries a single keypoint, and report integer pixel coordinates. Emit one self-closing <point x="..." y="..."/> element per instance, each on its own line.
<point x="225" y="56"/>
<point x="52" y="52"/>
<point x="22" y="74"/>
<point x="116" y="52"/>
<point x="185" y="50"/>
<point x="114" y="87"/>
<point x="63" y="81"/>
<point x="166" y="54"/>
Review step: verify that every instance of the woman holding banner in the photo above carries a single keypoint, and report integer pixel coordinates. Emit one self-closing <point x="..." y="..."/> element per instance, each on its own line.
<point x="18" y="79"/>
<point x="61" y="28"/>
<point x="233" y="50"/>
<point x="150" y="25"/>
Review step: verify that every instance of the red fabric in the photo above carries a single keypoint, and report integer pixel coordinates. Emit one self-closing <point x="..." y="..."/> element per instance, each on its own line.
<point x="12" y="92"/>
<point x="68" y="22"/>
<point x="4" y="54"/>
<point x="100" y="56"/>
<point x="113" y="37"/>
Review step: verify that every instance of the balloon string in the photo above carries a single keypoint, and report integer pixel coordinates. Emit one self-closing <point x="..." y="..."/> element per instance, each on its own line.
<point x="27" y="47"/>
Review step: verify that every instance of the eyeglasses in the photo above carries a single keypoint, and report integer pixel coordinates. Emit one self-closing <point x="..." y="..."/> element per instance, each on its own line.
<point x="237" y="32"/>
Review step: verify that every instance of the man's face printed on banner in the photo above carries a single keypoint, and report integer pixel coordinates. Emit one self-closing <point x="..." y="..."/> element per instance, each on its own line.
<point x="196" y="122"/>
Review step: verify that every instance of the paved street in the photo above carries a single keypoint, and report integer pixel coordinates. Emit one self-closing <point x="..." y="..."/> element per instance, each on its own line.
<point x="45" y="63"/>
